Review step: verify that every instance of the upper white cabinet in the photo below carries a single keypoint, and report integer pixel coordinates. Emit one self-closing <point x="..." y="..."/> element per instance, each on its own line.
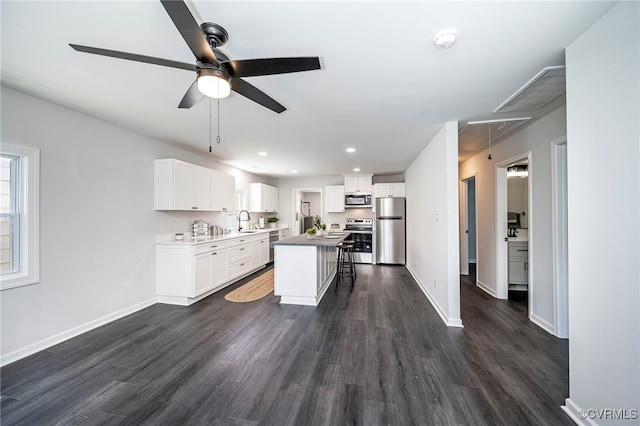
<point x="184" y="186"/>
<point x="181" y="186"/>
<point x="382" y="190"/>
<point x="335" y="198"/>
<point x="357" y="183"/>
<point x="223" y="188"/>
<point x="263" y="198"/>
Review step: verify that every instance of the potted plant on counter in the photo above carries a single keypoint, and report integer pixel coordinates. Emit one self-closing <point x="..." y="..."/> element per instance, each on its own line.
<point x="272" y="222"/>
<point x="320" y="226"/>
<point x="311" y="233"/>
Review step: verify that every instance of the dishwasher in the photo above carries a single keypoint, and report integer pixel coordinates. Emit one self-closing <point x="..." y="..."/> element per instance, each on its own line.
<point x="273" y="236"/>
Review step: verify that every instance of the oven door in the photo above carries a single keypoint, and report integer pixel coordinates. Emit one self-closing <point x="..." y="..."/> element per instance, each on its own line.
<point x="362" y="247"/>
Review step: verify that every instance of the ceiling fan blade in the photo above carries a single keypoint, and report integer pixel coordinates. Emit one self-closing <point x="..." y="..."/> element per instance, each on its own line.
<point x="268" y="66"/>
<point x="251" y="92"/>
<point x="190" y="30"/>
<point x="134" y="57"/>
<point x="192" y="97"/>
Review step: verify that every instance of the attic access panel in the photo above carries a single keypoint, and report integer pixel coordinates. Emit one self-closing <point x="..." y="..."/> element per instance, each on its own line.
<point x="548" y="85"/>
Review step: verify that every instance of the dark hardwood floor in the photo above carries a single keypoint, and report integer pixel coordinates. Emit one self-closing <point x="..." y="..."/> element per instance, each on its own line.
<point x="377" y="356"/>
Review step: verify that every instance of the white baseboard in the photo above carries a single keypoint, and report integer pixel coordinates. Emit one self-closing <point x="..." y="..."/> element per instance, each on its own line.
<point x="73" y="332"/>
<point x="542" y="323"/>
<point x="572" y="410"/>
<point x="482" y="286"/>
<point x="450" y="322"/>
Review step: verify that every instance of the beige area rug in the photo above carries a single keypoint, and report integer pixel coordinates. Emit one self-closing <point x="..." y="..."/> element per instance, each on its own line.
<point x="255" y="289"/>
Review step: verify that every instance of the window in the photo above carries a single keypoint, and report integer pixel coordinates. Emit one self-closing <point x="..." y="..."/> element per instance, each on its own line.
<point x="19" y="216"/>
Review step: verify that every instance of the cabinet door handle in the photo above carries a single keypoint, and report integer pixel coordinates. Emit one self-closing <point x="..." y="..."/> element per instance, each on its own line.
<point x="214" y="246"/>
<point x="522" y="250"/>
<point x="242" y="264"/>
<point x="242" y="249"/>
<point x="242" y="241"/>
<point x="213" y="254"/>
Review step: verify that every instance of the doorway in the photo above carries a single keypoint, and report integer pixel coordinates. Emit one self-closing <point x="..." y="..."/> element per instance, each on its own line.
<point x="468" y="228"/>
<point x="307" y="202"/>
<point x="514" y="243"/>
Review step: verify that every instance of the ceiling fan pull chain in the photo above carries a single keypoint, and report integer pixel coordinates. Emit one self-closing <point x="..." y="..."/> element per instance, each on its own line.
<point x="210" y="124"/>
<point x="218" y="137"/>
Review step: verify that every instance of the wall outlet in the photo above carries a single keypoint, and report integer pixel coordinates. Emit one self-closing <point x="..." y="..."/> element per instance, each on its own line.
<point x="126" y="287"/>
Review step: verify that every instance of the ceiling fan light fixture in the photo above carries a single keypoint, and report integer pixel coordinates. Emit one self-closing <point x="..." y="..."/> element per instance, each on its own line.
<point x="445" y="38"/>
<point x="214" y="83"/>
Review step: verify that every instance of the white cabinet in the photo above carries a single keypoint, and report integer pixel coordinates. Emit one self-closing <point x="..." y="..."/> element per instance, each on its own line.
<point x="260" y="251"/>
<point x="382" y="190"/>
<point x="283" y="233"/>
<point x="357" y="183"/>
<point x="219" y="266"/>
<point x="263" y="198"/>
<point x="518" y="265"/>
<point x="335" y="198"/>
<point x="185" y="273"/>
<point x="223" y="188"/>
<point x="181" y="186"/>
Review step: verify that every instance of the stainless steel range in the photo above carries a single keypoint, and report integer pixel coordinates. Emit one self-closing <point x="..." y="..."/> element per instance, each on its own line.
<point x="362" y="234"/>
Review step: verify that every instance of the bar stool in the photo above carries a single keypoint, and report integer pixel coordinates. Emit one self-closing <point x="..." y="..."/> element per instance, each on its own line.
<point x="345" y="259"/>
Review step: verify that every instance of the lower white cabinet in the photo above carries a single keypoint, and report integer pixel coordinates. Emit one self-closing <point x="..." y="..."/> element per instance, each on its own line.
<point x="518" y="265"/>
<point x="185" y="273"/>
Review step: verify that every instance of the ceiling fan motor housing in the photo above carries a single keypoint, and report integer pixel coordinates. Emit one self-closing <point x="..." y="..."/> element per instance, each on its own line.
<point x="215" y="34"/>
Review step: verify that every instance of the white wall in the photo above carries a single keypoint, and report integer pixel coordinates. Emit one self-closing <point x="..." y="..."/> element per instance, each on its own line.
<point x="432" y="223"/>
<point x="603" y="154"/>
<point x="535" y="138"/>
<point x="97" y="222"/>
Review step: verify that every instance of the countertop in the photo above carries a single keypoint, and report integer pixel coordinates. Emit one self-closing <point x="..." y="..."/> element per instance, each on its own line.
<point x="303" y="240"/>
<point x="523" y="235"/>
<point x="188" y="241"/>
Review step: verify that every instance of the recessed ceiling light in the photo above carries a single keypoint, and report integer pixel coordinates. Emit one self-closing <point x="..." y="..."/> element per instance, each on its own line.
<point x="356" y="169"/>
<point x="445" y="38"/>
<point x="294" y="171"/>
<point x="262" y="154"/>
<point x="350" y="150"/>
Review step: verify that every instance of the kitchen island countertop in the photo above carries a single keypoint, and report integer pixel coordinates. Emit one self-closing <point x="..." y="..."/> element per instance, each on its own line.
<point x="303" y="240"/>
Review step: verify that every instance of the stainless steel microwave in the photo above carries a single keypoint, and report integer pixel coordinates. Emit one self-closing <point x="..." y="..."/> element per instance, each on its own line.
<point x="357" y="200"/>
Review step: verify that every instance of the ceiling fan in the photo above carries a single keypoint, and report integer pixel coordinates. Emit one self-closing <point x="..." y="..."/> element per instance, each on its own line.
<point x="217" y="75"/>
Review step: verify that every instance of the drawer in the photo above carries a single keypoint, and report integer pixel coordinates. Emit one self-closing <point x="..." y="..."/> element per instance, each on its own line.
<point x="239" y="267"/>
<point x="211" y="246"/>
<point x="239" y="252"/>
<point x="518" y="249"/>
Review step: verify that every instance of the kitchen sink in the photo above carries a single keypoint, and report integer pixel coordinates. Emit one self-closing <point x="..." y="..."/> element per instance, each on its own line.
<point x="249" y="232"/>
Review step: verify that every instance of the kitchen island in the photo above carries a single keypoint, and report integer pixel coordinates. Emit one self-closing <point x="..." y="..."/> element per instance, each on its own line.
<point x="304" y="268"/>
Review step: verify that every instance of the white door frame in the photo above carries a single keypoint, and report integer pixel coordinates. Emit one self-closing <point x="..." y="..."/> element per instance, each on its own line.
<point x="296" y="194"/>
<point x="464" y="223"/>
<point x="559" y="236"/>
<point x="502" y="272"/>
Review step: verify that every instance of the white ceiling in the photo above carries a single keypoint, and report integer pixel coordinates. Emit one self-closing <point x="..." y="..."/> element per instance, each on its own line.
<point x="384" y="88"/>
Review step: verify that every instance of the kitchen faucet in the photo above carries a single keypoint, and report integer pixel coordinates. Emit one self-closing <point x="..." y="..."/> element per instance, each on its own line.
<point x="240" y="220"/>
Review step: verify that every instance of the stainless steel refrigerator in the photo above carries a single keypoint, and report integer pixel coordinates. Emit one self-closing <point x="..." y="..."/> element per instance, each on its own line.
<point x="390" y="230"/>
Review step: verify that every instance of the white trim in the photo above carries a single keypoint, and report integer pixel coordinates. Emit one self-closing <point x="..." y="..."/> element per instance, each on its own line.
<point x="30" y="210"/>
<point x="559" y="237"/>
<point x="450" y="322"/>
<point x="464" y="227"/>
<point x="73" y="332"/>
<point x="542" y="323"/>
<point x="482" y="286"/>
<point x="572" y="409"/>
